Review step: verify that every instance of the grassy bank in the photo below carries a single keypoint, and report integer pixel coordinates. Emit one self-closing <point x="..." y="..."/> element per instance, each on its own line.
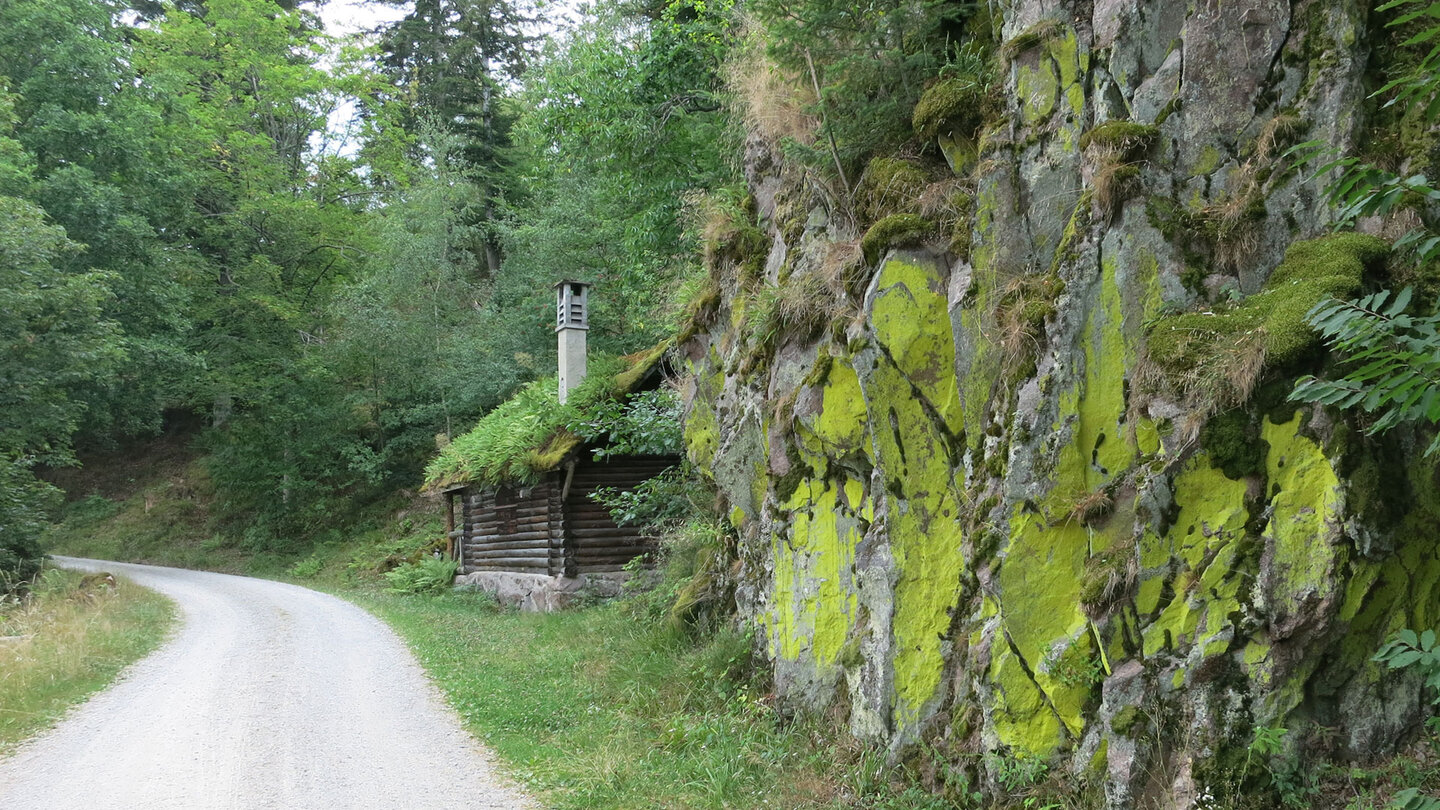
<point x="69" y="638"/>
<point x="599" y="707"/>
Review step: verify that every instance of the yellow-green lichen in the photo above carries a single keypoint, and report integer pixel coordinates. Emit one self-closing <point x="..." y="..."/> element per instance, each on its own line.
<point x="812" y="601"/>
<point x="1304" y="522"/>
<point x="911" y="321"/>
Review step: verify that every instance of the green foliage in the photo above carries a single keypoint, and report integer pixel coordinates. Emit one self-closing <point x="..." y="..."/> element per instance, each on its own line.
<point x="1413" y="799"/>
<point x="308" y="568"/>
<point x="645" y="424"/>
<point x="1391" y="360"/>
<point x="25" y="505"/>
<point x="655" y="504"/>
<point x="428" y="575"/>
<point x="869" y="63"/>
<point x="621" y="124"/>
<point x="525" y="435"/>
<point x="1409" y="650"/>
<point x="1360" y="188"/>
<point x="1017" y="772"/>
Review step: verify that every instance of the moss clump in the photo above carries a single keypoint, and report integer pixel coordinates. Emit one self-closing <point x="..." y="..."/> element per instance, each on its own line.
<point x="639" y="365"/>
<point x="700" y="313"/>
<point x="1127" y="139"/>
<point x="889" y="186"/>
<point x="1040" y="33"/>
<point x="896" y="230"/>
<point x="1125" y="720"/>
<point x="1234" y="445"/>
<point x="1220" y="353"/>
<point x="950" y="105"/>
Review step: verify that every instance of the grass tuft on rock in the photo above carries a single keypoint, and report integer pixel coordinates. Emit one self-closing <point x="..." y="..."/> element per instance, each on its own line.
<point x="1213" y="358"/>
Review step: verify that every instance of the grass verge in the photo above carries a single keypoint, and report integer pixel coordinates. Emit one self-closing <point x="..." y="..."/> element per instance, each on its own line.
<point x="68" y="639"/>
<point x="599" y="707"/>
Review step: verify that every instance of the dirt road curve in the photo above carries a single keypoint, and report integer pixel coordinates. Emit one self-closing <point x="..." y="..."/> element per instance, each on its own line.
<point x="269" y="696"/>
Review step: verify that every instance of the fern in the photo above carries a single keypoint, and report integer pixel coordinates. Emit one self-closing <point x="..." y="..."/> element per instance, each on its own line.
<point x="1393" y="360"/>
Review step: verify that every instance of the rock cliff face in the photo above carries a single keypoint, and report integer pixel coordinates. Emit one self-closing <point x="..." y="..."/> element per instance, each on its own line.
<point x="1028" y="489"/>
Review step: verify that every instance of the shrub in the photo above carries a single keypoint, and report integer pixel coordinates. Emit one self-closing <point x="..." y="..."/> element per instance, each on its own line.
<point x="428" y="575"/>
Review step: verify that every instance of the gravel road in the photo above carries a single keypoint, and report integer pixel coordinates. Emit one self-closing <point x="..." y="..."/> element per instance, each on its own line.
<point x="269" y="696"/>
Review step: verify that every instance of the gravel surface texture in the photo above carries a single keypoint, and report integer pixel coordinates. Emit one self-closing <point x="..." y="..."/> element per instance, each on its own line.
<point x="268" y="696"/>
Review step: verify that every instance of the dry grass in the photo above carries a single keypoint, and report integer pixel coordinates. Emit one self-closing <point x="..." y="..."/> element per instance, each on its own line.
<point x="947" y="203"/>
<point x="68" y="639"/>
<point x="773" y="102"/>
<point x="1279" y="131"/>
<point x="805" y="303"/>
<point x="1092" y="506"/>
<point x="1113" y="180"/>
<point x="1025" y="303"/>
<point x="1233" y="222"/>
<point x="1210" y="387"/>
<point x="843" y="268"/>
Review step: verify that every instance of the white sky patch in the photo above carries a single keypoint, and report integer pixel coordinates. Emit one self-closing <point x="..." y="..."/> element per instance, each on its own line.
<point x="356" y="16"/>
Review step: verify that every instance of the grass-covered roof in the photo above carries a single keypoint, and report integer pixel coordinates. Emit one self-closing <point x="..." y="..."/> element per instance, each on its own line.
<point x="526" y="435"/>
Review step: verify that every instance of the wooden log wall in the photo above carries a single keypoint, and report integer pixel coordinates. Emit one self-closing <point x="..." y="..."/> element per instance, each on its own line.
<point x="593" y="543"/>
<point x="512" y="529"/>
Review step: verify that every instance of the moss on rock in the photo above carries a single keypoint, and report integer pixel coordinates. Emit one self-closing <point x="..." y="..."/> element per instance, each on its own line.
<point x="889" y="186"/>
<point x="1234" y="444"/>
<point x="1127" y="139"/>
<point x="896" y="230"/>
<point x="1219" y="353"/>
<point x="950" y="105"/>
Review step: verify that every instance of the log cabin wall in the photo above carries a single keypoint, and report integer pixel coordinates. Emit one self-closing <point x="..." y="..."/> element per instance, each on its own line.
<point x="549" y="529"/>
<point x="593" y="543"/>
<point x="512" y="529"/>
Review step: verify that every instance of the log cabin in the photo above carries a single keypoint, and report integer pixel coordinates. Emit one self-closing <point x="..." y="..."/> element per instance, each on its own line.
<point x="538" y="517"/>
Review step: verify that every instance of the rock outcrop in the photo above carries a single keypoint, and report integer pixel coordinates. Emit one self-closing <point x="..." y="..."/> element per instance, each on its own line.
<point x="1030" y="491"/>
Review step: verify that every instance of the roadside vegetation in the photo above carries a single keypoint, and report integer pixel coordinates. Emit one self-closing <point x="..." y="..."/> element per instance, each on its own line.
<point x="69" y="636"/>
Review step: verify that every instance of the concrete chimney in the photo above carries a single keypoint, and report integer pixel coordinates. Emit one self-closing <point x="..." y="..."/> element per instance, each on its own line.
<point x="572" y="321"/>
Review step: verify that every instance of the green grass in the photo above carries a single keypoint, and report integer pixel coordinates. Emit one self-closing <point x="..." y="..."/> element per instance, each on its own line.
<point x="600" y="707"/>
<point x="70" y="638"/>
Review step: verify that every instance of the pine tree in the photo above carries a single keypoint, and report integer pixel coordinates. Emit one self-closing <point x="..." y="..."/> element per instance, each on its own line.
<point x="456" y="58"/>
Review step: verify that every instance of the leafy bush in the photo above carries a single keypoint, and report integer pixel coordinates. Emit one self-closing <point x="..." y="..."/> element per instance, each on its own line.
<point x="428" y="575"/>
<point x="1393" y="360"/>
<point x="1407" y="649"/>
<point x="308" y="568"/>
<point x="867" y="63"/>
<point x="656" y="503"/>
<point x="647" y="423"/>
<point x="24" y="508"/>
